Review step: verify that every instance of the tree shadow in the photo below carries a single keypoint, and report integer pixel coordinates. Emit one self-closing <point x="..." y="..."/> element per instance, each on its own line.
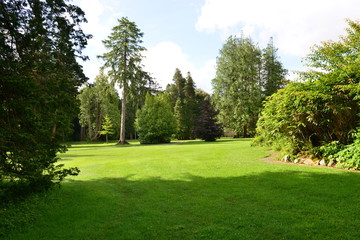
<point x="270" y="205"/>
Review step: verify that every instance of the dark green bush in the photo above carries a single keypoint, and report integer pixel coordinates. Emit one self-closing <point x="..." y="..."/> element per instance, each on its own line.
<point x="155" y="122"/>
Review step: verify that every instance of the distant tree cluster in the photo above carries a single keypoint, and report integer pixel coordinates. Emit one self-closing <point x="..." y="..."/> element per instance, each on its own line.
<point x="245" y="76"/>
<point x="188" y="108"/>
<point x="98" y="100"/>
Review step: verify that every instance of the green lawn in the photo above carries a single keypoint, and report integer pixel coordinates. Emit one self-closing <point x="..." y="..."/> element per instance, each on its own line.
<point x="193" y="190"/>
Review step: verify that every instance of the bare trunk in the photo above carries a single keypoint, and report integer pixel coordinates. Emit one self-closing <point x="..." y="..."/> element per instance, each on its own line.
<point x="53" y="132"/>
<point x="123" y="115"/>
<point x="82" y="134"/>
<point x="89" y="128"/>
<point x="245" y="131"/>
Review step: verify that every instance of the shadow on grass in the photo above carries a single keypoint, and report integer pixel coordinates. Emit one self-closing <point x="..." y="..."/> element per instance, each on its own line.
<point x="271" y="205"/>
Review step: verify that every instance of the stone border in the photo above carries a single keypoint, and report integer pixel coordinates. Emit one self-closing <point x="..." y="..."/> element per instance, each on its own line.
<point x="274" y="159"/>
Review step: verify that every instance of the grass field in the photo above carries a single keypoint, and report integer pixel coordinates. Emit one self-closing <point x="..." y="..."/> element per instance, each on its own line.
<point x="192" y="190"/>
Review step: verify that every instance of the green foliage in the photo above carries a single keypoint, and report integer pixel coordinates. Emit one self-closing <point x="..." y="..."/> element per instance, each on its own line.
<point x="344" y="156"/>
<point x="107" y="127"/>
<point x="319" y="114"/>
<point x="244" y="77"/>
<point x="96" y="101"/>
<point x="39" y="43"/>
<point x="123" y="60"/>
<point x="272" y="72"/>
<point x="206" y="124"/>
<point x="155" y="122"/>
<point x="349" y="157"/>
<point x="183" y="99"/>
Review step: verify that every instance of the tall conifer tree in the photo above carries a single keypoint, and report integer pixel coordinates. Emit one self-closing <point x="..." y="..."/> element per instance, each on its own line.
<point x="124" y="61"/>
<point x="39" y="42"/>
<point x="237" y="91"/>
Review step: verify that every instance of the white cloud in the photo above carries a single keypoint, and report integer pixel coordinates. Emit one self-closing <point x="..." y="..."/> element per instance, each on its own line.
<point x="162" y="60"/>
<point x="296" y="25"/>
<point x="100" y="22"/>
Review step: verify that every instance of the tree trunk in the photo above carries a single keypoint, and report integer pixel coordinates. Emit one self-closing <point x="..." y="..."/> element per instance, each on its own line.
<point x="123" y="115"/>
<point x="90" y="129"/>
<point x="245" y="131"/>
<point x="82" y="134"/>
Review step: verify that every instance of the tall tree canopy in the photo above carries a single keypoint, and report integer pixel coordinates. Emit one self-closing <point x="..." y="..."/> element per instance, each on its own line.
<point x="123" y="60"/>
<point x="39" y="41"/>
<point x="245" y="75"/>
<point x="182" y="97"/>
<point x="237" y="92"/>
<point x="272" y="71"/>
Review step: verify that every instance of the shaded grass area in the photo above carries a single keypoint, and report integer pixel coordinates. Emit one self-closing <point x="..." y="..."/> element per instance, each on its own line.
<point x="192" y="191"/>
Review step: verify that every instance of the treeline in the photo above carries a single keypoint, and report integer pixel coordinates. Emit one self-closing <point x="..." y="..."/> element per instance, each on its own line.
<point x="318" y="116"/>
<point x="155" y="116"/>
<point x="122" y="64"/>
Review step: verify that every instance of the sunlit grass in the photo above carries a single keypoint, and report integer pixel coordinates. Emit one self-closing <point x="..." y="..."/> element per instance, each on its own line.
<point x="192" y="190"/>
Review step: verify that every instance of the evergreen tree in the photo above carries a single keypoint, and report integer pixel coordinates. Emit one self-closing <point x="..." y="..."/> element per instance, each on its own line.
<point x="39" y="42"/>
<point x="272" y="73"/>
<point x="176" y="89"/>
<point x="183" y="131"/>
<point x="206" y="125"/>
<point x="136" y="99"/>
<point x="182" y="95"/>
<point x="237" y="91"/>
<point x="107" y="127"/>
<point x="155" y="121"/>
<point x="124" y="61"/>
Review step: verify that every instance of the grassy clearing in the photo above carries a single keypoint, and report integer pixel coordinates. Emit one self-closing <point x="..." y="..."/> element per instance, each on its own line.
<point x="191" y="190"/>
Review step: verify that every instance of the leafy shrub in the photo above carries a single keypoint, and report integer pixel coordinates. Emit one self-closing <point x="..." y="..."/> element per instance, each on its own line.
<point x="349" y="157"/>
<point x="155" y="122"/>
<point x="318" y="114"/>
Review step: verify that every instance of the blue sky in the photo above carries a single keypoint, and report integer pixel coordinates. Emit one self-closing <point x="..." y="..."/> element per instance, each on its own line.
<point x="188" y="34"/>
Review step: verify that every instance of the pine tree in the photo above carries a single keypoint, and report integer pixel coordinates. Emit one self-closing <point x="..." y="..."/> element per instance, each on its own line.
<point x="107" y="127"/>
<point x="124" y="61"/>
<point x="206" y="124"/>
<point x="237" y="91"/>
<point x="272" y="73"/>
<point x="182" y="95"/>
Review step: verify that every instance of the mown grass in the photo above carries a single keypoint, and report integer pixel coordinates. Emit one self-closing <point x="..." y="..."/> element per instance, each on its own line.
<point x="193" y="190"/>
